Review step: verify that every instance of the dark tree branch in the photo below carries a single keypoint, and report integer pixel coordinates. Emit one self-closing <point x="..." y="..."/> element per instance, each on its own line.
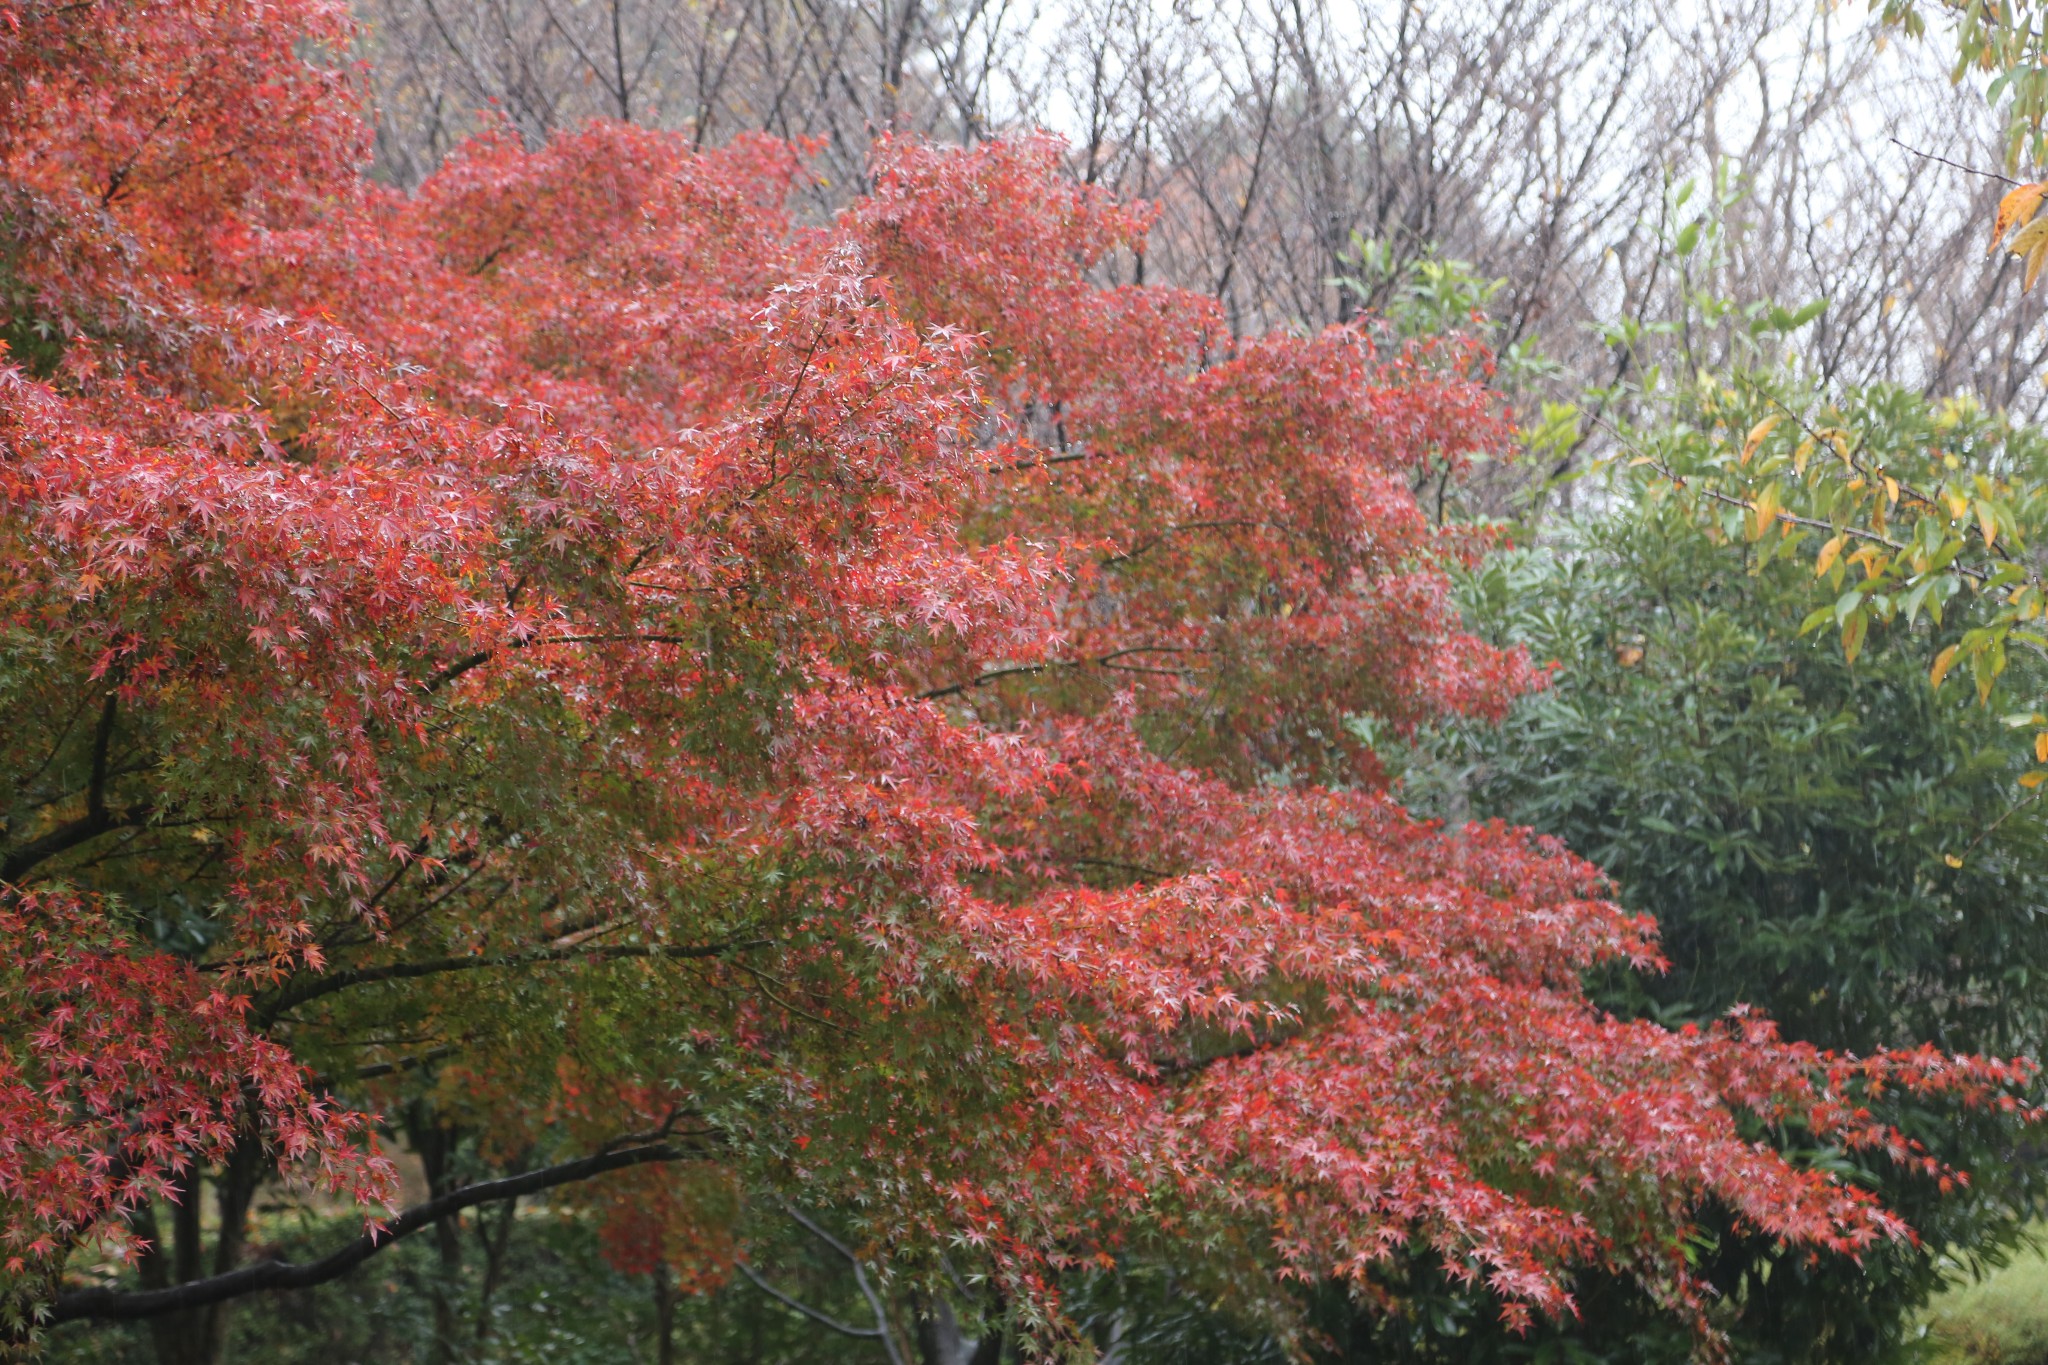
<point x="372" y="1070"/>
<point x="131" y="1305"/>
<point x="291" y="997"/>
<point x="455" y="670"/>
<point x="1108" y="660"/>
<point x="102" y="741"/>
<point x="70" y="835"/>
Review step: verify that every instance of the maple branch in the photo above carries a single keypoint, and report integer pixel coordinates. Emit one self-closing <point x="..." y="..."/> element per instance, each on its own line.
<point x="1041" y="461"/>
<point x="291" y="998"/>
<point x="469" y="661"/>
<point x="372" y="1070"/>
<point x="70" y="835"/>
<point x="1279" y="1033"/>
<point x="455" y="670"/>
<point x="130" y="1305"/>
<point x="1099" y="661"/>
<point x="860" y="1278"/>
<point x="818" y="1316"/>
<point x="762" y="979"/>
<point x="1232" y="523"/>
<point x="102" y="741"/>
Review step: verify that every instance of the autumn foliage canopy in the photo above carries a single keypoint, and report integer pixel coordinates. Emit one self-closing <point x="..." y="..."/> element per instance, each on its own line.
<point x="860" y="704"/>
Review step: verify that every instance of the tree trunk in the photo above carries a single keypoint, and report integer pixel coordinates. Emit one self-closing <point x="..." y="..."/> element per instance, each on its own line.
<point x="436" y="1148"/>
<point x="495" y="1244"/>
<point x="664" y="1316"/>
<point x="938" y="1332"/>
<point x="198" y="1336"/>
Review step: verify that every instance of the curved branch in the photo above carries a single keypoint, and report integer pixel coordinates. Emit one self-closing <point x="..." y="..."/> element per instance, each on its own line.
<point x="129" y="1305"/>
<point x="860" y="1279"/>
<point x="823" y="1319"/>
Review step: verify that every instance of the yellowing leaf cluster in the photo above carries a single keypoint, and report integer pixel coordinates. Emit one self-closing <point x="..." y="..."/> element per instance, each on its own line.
<point x="2019" y="208"/>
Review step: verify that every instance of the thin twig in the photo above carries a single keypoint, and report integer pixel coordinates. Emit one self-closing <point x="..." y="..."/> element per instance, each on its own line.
<point x="1953" y="165"/>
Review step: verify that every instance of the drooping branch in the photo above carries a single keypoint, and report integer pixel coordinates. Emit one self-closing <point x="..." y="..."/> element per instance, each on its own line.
<point x="822" y="1318"/>
<point x="860" y="1279"/>
<point x="130" y="1305"/>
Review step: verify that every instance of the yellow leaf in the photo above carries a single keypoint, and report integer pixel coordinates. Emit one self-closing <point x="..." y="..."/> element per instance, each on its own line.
<point x="1952" y="860"/>
<point x="1891" y="489"/>
<point x="2041" y="747"/>
<point x="2031" y="243"/>
<point x="2033" y="779"/>
<point x="1766" y="509"/>
<point x="1942" y="663"/>
<point x="1841" y="442"/>
<point x="2019" y="205"/>
<point x="1989" y="525"/>
<point x="1802" y="455"/>
<point x="1829" y="553"/>
<point x="1756" y="436"/>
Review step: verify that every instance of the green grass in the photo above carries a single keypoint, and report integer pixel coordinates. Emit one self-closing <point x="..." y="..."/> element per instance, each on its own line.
<point x="2001" y="1319"/>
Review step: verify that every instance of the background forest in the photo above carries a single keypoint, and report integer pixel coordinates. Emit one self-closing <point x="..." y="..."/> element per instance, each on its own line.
<point x="1632" y="278"/>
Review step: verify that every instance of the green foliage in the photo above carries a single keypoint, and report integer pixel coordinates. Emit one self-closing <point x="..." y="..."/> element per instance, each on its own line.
<point x="1786" y="814"/>
<point x="1791" y="817"/>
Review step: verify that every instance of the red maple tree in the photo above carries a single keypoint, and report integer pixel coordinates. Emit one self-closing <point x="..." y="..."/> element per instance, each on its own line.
<point x="860" y="708"/>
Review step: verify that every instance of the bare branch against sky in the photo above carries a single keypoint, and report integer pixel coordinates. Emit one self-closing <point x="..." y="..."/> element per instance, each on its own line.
<point x="1537" y="139"/>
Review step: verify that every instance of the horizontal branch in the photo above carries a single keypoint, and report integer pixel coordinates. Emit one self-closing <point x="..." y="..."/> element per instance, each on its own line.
<point x="1784" y="518"/>
<point x="291" y="997"/>
<point x="133" y="1304"/>
<point x="1182" y="528"/>
<point x="1108" y="660"/>
<point x="1041" y="461"/>
<point x="70" y="835"/>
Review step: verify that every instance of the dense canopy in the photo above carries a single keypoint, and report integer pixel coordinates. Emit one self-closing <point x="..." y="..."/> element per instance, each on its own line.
<point x="851" y="709"/>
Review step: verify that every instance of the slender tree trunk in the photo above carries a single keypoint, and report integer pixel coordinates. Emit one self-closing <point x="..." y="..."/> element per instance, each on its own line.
<point x="199" y="1335"/>
<point x="938" y="1332"/>
<point x="181" y="1338"/>
<point x="436" y="1147"/>
<point x="664" y="1316"/>
<point x="495" y="1243"/>
<point x="989" y="1350"/>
